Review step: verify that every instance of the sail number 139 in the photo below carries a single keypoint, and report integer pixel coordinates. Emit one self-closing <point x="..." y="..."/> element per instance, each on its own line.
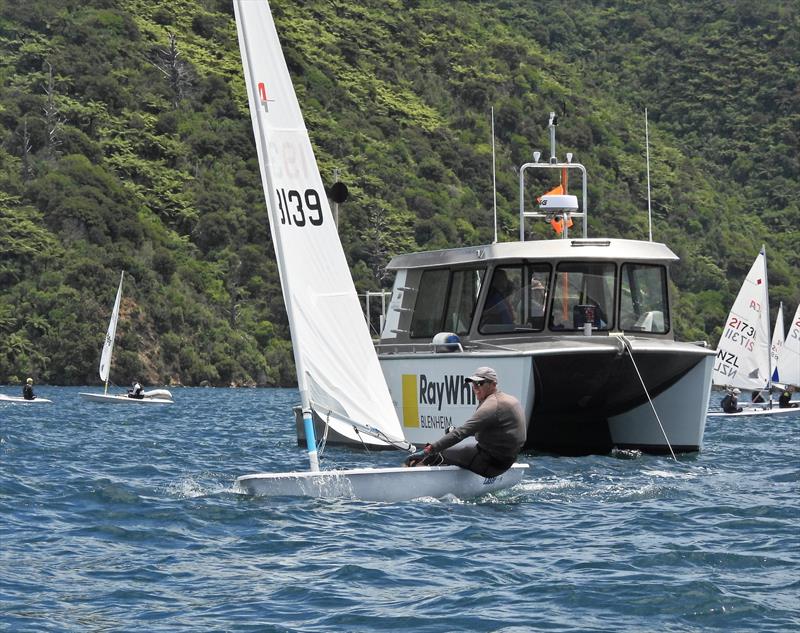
<point x="297" y="208"/>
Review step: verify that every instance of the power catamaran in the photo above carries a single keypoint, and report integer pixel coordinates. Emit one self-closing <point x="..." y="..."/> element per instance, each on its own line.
<point x="583" y="335"/>
<point x="338" y="374"/>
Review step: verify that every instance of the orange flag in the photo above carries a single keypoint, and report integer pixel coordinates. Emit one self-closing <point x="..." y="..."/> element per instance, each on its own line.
<point x="558" y="224"/>
<point x="555" y="191"/>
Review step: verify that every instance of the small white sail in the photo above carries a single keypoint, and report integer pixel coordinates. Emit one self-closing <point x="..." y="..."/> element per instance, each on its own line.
<point x="108" y="346"/>
<point x="743" y="352"/>
<point x="337" y="368"/>
<point x="789" y="359"/>
<point x="776" y="345"/>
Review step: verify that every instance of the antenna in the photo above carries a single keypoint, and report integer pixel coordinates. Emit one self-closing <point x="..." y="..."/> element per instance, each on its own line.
<point x="647" y="152"/>
<point x="494" y="183"/>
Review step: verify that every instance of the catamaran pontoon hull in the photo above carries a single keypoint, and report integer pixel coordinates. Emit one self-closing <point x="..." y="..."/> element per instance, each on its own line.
<point x="581" y="395"/>
<point x="380" y="484"/>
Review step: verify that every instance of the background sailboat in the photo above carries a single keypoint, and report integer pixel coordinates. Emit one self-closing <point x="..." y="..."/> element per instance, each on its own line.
<point x="155" y="396"/>
<point x="338" y="374"/>
<point x="789" y="354"/>
<point x="744" y="354"/>
<point x="777" y="344"/>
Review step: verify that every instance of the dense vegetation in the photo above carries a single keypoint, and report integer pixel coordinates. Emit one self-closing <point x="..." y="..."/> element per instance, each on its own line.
<point x="126" y="144"/>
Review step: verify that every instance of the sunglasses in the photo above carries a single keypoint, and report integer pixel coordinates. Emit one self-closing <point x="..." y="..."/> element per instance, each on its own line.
<point x="478" y="383"/>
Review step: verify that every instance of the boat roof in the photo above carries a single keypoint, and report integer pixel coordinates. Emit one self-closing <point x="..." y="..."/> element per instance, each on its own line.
<point x="548" y="250"/>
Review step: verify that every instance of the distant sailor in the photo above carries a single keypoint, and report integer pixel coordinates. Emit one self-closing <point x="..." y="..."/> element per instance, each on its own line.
<point x="730" y="403"/>
<point x="136" y="391"/>
<point x="784" y="400"/>
<point x="498" y="426"/>
<point x="27" y="390"/>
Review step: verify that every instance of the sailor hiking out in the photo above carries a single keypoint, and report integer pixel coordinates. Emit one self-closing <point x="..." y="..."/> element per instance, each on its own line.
<point x="489" y="441"/>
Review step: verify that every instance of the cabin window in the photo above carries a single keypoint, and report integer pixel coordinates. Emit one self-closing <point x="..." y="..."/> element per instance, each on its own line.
<point x="446" y="301"/>
<point x="583" y="291"/>
<point x="465" y="286"/>
<point x="536" y="295"/>
<point x="516" y="299"/>
<point x="501" y="308"/>
<point x="643" y="299"/>
<point x="429" y="306"/>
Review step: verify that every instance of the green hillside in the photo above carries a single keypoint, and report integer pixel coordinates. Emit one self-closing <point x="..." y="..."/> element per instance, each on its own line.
<point x="126" y="144"/>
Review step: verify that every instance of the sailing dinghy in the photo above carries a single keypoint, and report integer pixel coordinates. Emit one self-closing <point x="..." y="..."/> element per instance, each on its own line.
<point x="20" y="400"/>
<point x="154" y="396"/>
<point x="744" y="353"/>
<point x="338" y="374"/>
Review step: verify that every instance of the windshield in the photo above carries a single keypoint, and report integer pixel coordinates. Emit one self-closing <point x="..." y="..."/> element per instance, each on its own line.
<point x="583" y="292"/>
<point x="643" y="299"/>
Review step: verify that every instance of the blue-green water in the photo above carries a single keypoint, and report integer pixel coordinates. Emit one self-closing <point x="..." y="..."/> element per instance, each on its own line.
<point x="117" y="518"/>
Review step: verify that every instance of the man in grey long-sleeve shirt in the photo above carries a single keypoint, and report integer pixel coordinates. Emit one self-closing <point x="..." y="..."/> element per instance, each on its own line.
<point x="498" y="426"/>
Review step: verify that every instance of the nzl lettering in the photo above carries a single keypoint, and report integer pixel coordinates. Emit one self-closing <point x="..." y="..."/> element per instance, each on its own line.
<point x="728" y="358"/>
<point x="298" y="209"/>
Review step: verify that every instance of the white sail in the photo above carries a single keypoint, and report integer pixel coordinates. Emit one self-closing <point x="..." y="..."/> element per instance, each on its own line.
<point x="337" y="368"/>
<point x="743" y="352"/>
<point x="108" y="346"/>
<point x="776" y="345"/>
<point x="789" y="359"/>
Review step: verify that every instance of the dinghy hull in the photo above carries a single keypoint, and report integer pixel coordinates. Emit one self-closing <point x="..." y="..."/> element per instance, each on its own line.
<point x="122" y="399"/>
<point x="380" y="484"/>
<point x="753" y="412"/>
<point x="20" y="400"/>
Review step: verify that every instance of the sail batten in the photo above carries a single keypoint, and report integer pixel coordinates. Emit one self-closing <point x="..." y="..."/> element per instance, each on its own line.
<point x="334" y="354"/>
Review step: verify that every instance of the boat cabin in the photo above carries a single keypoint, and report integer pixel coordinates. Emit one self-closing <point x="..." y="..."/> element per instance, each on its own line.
<point x="524" y="290"/>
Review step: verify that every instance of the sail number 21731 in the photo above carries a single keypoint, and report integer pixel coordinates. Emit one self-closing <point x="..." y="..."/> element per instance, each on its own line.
<point x="298" y="208"/>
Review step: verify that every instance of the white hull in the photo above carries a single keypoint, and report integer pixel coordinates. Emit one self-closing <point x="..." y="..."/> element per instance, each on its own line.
<point x="21" y="400"/>
<point x="580" y="395"/>
<point x="380" y="484"/>
<point x="752" y="412"/>
<point x="116" y="399"/>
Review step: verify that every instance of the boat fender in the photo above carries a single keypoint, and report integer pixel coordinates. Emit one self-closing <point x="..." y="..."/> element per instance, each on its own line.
<point x="446" y="342"/>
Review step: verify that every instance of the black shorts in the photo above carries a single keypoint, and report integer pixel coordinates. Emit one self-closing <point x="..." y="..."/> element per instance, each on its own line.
<point x="471" y="456"/>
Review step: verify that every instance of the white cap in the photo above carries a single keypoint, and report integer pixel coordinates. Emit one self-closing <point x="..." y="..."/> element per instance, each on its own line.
<point x="482" y="374"/>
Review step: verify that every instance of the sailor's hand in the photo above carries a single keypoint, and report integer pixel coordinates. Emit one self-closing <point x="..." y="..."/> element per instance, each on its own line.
<point x="415" y="458"/>
<point x="427" y="450"/>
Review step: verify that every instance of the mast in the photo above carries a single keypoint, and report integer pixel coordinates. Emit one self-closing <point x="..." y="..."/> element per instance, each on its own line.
<point x="647" y="152"/>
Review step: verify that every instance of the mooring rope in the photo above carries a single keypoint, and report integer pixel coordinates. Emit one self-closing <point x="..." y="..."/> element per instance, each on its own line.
<point x="627" y="344"/>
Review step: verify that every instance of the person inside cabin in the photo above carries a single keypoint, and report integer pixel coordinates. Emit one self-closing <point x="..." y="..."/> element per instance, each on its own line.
<point x="756" y="397"/>
<point x="784" y="402"/>
<point x="538" y="298"/>
<point x="27" y="390"/>
<point x="489" y="441"/>
<point x="499" y="309"/>
<point x="136" y="391"/>
<point x="730" y="403"/>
